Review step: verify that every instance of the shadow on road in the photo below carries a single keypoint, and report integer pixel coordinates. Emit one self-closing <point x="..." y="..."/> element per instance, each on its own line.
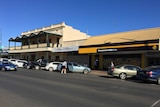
<point x="133" y="79"/>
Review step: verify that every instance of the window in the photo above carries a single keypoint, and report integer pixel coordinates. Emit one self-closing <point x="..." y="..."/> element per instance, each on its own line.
<point x="50" y="40"/>
<point x="128" y="67"/>
<point x="57" y="58"/>
<point x="69" y="64"/>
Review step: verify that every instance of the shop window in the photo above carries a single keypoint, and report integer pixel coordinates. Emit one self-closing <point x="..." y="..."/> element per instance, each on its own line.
<point x="50" y="40"/>
<point x="57" y="58"/>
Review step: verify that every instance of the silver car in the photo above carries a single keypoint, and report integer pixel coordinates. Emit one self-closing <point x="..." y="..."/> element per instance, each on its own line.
<point x="125" y="71"/>
<point x="75" y="67"/>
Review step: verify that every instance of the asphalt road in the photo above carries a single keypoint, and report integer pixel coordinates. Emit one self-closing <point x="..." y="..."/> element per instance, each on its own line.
<point x="34" y="88"/>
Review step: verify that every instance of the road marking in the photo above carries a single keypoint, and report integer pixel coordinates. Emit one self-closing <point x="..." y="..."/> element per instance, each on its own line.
<point x="156" y="103"/>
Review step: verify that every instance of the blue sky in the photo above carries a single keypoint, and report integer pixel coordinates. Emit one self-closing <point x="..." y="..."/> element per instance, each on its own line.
<point x="96" y="17"/>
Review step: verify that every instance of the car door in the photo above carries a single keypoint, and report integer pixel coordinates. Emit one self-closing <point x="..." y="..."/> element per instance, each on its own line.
<point x="55" y="65"/>
<point x="77" y="67"/>
<point x="130" y="70"/>
<point x="20" y="63"/>
<point x="70" y="66"/>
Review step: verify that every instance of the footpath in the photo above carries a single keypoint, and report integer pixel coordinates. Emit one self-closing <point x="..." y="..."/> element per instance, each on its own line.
<point x="99" y="72"/>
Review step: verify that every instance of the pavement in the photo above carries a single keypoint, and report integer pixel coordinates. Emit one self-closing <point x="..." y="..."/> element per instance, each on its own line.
<point x="99" y="72"/>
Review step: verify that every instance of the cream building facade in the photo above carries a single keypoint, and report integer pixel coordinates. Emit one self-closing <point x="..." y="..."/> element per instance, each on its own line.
<point x="53" y="43"/>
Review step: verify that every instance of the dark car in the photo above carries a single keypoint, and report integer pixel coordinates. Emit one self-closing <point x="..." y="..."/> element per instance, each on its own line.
<point x="35" y="64"/>
<point x="29" y="65"/>
<point x="7" y="66"/>
<point x="151" y="73"/>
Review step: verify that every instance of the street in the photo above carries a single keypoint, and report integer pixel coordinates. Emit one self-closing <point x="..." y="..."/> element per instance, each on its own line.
<point x="40" y="88"/>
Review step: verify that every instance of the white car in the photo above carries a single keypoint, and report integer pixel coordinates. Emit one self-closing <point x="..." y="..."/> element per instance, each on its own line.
<point x="18" y="62"/>
<point x="52" y="66"/>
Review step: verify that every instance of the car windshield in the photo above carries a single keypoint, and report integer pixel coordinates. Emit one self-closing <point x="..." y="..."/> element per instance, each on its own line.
<point x="6" y="62"/>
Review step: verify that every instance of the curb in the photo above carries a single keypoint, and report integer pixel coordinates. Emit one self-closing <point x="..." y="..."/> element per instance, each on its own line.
<point x="98" y="72"/>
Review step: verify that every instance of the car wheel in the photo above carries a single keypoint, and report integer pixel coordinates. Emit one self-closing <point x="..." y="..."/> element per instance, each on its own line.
<point x="123" y="76"/>
<point x="3" y="69"/>
<point x="85" y="71"/>
<point x="50" y="69"/>
<point x="28" y="67"/>
<point x="37" y="67"/>
<point x="158" y="81"/>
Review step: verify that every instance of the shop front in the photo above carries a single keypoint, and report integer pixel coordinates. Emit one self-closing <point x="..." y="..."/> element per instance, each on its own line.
<point x="139" y="48"/>
<point x="102" y="59"/>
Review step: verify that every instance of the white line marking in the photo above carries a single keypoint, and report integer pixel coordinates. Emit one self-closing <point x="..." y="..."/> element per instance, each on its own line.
<point x="155" y="103"/>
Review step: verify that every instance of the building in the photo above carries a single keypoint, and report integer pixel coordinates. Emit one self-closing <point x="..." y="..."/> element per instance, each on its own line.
<point x="4" y="52"/>
<point x="139" y="47"/>
<point x="53" y="43"/>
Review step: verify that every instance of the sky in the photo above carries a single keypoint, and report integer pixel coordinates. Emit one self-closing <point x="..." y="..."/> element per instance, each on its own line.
<point x="94" y="17"/>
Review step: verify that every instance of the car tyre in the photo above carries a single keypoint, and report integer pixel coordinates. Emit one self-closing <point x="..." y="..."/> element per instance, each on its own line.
<point x="3" y="69"/>
<point x="158" y="81"/>
<point x="85" y="71"/>
<point x="28" y="67"/>
<point x="37" y="67"/>
<point x="123" y="76"/>
<point x="50" y="69"/>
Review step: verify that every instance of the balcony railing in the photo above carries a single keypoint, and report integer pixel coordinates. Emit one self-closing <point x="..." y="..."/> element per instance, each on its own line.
<point x="43" y="45"/>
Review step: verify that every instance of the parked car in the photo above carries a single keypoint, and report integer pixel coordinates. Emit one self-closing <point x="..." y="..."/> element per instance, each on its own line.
<point x="7" y="66"/>
<point x="4" y="59"/>
<point x="75" y="67"/>
<point x="39" y="64"/>
<point x="151" y="73"/>
<point x="124" y="71"/>
<point x="29" y="65"/>
<point x="18" y="62"/>
<point x="52" y="66"/>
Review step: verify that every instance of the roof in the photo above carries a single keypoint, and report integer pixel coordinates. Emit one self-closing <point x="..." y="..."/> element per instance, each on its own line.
<point x="122" y="37"/>
<point x="19" y="38"/>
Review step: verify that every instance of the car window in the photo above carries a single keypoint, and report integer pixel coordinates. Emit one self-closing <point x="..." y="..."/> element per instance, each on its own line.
<point x="132" y="68"/>
<point x="55" y="63"/>
<point x="138" y="69"/>
<point x="75" y="64"/>
<point x="13" y="60"/>
<point x="21" y="61"/>
<point x="5" y="62"/>
<point x="129" y="67"/>
<point x="69" y="64"/>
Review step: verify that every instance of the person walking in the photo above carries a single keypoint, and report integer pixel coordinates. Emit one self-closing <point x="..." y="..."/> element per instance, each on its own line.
<point x="112" y="66"/>
<point x="64" y="67"/>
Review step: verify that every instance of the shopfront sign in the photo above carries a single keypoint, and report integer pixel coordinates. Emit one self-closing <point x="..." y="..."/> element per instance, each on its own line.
<point x="65" y="49"/>
<point x="107" y="50"/>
